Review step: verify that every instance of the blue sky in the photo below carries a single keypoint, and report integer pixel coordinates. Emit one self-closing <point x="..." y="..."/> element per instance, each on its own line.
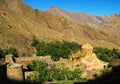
<point x="95" y="7"/>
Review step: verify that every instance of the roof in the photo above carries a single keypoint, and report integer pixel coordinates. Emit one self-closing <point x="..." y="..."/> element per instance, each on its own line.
<point x="86" y="62"/>
<point x="87" y="46"/>
<point x="90" y="57"/>
<point x="15" y="65"/>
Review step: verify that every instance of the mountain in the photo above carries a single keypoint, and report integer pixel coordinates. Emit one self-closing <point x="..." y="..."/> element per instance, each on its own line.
<point x="82" y="18"/>
<point x="19" y="23"/>
<point x="113" y="27"/>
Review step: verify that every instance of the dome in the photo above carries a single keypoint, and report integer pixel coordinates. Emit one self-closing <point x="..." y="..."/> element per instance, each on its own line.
<point x="87" y="46"/>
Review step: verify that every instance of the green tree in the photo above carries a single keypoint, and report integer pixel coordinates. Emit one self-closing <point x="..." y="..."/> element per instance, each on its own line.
<point x="11" y="51"/>
<point x="56" y="49"/>
<point x="8" y="51"/>
<point x="44" y="72"/>
<point x="41" y="71"/>
<point x="54" y="73"/>
<point x="35" y="42"/>
<point x="104" y="54"/>
<point x="76" y="74"/>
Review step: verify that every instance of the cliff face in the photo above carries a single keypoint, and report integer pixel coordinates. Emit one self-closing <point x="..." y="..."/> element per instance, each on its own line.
<point x="19" y="23"/>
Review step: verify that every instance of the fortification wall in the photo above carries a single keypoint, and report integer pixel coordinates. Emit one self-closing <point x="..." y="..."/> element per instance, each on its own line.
<point x="9" y="59"/>
<point x="28" y="74"/>
<point x="15" y="72"/>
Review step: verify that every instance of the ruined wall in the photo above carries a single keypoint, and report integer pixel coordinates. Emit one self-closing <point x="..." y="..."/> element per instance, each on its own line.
<point x="28" y="60"/>
<point x="15" y="72"/>
<point x="9" y="59"/>
<point x="28" y="74"/>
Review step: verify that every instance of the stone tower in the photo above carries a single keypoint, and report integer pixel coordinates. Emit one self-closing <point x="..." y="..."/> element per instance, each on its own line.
<point x="15" y="72"/>
<point x="87" y="49"/>
<point x="9" y="59"/>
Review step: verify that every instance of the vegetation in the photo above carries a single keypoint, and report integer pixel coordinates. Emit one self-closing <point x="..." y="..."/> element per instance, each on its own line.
<point x="45" y="72"/>
<point x="55" y="49"/>
<point x="106" y="71"/>
<point x="4" y="52"/>
<point x="64" y="49"/>
<point x="104" y="53"/>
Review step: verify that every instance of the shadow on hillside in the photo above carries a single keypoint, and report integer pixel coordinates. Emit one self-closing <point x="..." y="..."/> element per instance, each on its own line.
<point x="112" y="78"/>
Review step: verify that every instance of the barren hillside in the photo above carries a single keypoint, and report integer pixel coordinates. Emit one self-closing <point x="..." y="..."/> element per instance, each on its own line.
<point x="19" y="23"/>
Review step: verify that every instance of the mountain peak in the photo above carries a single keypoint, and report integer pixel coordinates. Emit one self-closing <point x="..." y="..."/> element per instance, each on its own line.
<point x="55" y="8"/>
<point x="115" y="15"/>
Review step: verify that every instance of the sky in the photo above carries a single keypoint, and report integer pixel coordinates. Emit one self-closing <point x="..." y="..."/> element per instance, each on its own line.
<point x="95" y="7"/>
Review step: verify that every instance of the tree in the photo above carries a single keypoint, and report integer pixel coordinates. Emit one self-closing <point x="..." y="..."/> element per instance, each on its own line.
<point x="56" y="49"/>
<point x="11" y="51"/>
<point x="76" y="74"/>
<point x="54" y="73"/>
<point x="35" y="42"/>
<point x="104" y="54"/>
<point x="8" y="51"/>
<point x="41" y="71"/>
<point x="44" y="72"/>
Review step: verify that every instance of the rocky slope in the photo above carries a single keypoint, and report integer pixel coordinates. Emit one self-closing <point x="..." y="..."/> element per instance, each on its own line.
<point x="19" y="23"/>
<point x="82" y="18"/>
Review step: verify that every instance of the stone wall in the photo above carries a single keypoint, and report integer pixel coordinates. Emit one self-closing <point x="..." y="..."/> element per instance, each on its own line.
<point x="28" y="74"/>
<point x="15" y="72"/>
<point x="9" y="59"/>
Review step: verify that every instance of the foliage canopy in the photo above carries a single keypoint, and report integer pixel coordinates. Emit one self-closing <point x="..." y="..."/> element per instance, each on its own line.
<point x="44" y="72"/>
<point x="55" y="49"/>
<point x="6" y="51"/>
<point x="104" y="53"/>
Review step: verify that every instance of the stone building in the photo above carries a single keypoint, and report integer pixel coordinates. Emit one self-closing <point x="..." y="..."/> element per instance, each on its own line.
<point x="87" y="49"/>
<point x="9" y="59"/>
<point x="85" y="60"/>
<point x="15" y="72"/>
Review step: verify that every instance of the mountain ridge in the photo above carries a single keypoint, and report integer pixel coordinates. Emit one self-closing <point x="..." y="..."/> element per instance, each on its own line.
<point x="19" y="23"/>
<point x="83" y="18"/>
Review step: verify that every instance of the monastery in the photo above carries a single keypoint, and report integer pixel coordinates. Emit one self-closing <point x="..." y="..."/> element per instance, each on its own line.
<point x="85" y="60"/>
